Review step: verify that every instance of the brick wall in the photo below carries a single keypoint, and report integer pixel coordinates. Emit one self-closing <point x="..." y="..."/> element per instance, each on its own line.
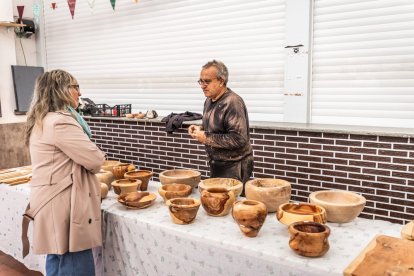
<point x="381" y="168"/>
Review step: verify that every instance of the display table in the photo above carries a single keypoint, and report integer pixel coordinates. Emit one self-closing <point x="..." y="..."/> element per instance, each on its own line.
<point x="146" y="242"/>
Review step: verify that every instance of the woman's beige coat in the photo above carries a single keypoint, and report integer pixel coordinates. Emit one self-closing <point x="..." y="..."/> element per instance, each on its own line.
<point x="71" y="221"/>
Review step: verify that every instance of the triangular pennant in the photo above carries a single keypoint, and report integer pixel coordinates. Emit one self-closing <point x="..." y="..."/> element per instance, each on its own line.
<point x="20" y="10"/>
<point x="53" y="5"/>
<point x="72" y="4"/>
<point x="91" y="3"/>
<point x="135" y="1"/>
<point x="36" y="12"/>
<point x="113" y="4"/>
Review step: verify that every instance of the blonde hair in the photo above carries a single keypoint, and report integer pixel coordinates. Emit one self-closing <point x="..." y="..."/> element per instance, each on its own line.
<point x="51" y="94"/>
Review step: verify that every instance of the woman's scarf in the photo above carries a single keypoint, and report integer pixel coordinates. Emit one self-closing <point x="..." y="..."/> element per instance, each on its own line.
<point x="81" y="121"/>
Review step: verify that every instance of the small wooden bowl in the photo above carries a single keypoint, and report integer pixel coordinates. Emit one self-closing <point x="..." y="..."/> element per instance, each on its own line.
<point x="183" y="210"/>
<point x="309" y="239"/>
<point x="289" y="213"/>
<point x="109" y="164"/>
<point x="137" y="200"/>
<point x="139" y="115"/>
<point x="120" y="170"/>
<point x="123" y="186"/>
<point x="341" y="206"/>
<point x="217" y="202"/>
<point x="229" y="183"/>
<point x="272" y="192"/>
<point x="250" y="216"/>
<point x="182" y="176"/>
<point x="142" y="175"/>
<point x="169" y="191"/>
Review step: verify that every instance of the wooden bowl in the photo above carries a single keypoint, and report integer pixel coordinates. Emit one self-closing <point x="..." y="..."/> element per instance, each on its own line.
<point x="169" y="191"/>
<point x="341" y="206"/>
<point x="139" y="115"/>
<point x="120" y="170"/>
<point x="217" y="202"/>
<point x="182" y="176"/>
<point x="292" y="212"/>
<point x="309" y="239"/>
<point x="250" y="216"/>
<point x="272" y="192"/>
<point x="123" y="186"/>
<point x="106" y="177"/>
<point x="109" y="164"/>
<point x="104" y="190"/>
<point x="183" y="210"/>
<point x="137" y="200"/>
<point x="229" y="183"/>
<point x="142" y="175"/>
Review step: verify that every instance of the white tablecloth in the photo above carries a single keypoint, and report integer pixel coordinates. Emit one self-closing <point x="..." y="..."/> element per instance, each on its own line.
<point x="146" y="242"/>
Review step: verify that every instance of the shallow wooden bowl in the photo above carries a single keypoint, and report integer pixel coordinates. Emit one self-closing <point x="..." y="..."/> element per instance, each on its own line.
<point x="229" y="183"/>
<point x="169" y="191"/>
<point x="292" y="212"/>
<point x="341" y="206"/>
<point x="123" y="186"/>
<point x="183" y="210"/>
<point x="182" y="176"/>
<point x="137" y="200"/>
<point x="109" y="164"/>
<point x="142" y="175"/>
<point x="272" y="192"/>
<point x="309" y="239"/>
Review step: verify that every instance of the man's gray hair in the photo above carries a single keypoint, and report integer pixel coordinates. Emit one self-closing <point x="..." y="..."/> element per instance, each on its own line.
<point x="222" y="72"/>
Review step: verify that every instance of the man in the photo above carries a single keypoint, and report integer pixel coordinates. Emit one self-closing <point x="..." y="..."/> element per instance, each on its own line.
<point x="225" y="129"/>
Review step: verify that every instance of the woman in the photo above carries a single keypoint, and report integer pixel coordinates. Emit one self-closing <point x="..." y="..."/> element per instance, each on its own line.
<point x="65" y="194"/>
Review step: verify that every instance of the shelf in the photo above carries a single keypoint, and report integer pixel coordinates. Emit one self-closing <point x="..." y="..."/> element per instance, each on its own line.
<point x="11" y="24"/>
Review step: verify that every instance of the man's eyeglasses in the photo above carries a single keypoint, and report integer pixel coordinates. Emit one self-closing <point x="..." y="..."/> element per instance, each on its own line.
<point x="76" y="86"/>
<point x="204" y="82"/>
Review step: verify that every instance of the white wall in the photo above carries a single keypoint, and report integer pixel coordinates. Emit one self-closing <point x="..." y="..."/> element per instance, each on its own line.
<point x="10" y="56"/>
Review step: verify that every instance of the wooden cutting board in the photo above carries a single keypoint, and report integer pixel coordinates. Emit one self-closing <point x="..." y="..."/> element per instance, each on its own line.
<point x="384" y="256"/>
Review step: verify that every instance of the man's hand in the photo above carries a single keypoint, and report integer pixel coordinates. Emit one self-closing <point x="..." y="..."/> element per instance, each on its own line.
<point x="197" y="133"/>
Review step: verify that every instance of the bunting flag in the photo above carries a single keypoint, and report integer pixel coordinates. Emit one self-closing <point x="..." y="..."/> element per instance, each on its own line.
<point x="53" y="5"/>
<point x="36" y="12"/>
<point x="91" y="3"/>
<point x="113" y="4"/>
<point x="72" y="4"/>
<point x="135" y="1"/>
<point x="20" y="10"/>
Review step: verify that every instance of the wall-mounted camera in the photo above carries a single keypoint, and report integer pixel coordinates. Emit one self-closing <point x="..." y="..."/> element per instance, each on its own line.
<point x="27" y="30"/>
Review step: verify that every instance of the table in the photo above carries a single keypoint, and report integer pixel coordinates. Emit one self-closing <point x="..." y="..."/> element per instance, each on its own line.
<point x="146" y="242"/>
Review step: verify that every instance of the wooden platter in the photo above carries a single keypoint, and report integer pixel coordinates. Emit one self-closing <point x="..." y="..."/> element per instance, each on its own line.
<point x="384" y="255"/>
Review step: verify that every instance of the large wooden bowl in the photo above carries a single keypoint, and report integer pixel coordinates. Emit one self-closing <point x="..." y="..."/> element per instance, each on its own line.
<point x="289" y="213"/>
<point x="341" y="206"/>
<point x="183" y="210"/>
<point x="272" y="192"/>
<point x="183" y="176"/>
<point x="137" y="200"/>
<point x="169" y="191"/>
<point x="229" y="183"/>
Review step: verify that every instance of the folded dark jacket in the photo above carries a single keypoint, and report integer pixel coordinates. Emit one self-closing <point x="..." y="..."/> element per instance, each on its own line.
<point x="175" y="120"/>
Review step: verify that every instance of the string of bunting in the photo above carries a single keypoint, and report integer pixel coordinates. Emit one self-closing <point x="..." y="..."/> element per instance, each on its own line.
<point x="37" y="7"/>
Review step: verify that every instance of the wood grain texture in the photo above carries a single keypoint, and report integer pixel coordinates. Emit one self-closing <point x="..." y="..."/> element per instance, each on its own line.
<point x="384" y="255"/>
